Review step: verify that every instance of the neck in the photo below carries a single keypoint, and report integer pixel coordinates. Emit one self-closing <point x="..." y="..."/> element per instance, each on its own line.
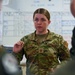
<point x="41" y="33"/>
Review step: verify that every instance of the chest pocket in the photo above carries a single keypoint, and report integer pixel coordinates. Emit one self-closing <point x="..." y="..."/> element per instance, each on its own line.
<point x="51" y="48"/>
<point x="31" y="49"/>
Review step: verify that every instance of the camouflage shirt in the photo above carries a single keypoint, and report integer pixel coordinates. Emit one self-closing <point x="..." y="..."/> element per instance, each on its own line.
<point x="42" y="54"/>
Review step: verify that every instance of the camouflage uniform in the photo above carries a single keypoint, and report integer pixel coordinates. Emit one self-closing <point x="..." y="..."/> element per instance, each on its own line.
<point x="42" y="55"/>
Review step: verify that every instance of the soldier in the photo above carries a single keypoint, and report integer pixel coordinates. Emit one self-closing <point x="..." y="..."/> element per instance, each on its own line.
<point x="42" y="48"/>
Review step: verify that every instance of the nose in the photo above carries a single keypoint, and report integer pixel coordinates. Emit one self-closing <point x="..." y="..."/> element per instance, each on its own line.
<point x="39" y="21"/>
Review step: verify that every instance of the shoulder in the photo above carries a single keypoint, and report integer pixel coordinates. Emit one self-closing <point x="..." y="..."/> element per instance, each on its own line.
<point x="59" y="39"/>
<point x="29" y="36"/>
<point x="56" y="35"/>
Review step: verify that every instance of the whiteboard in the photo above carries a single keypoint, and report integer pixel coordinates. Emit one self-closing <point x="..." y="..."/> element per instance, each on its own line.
<point x="17" y="17"/>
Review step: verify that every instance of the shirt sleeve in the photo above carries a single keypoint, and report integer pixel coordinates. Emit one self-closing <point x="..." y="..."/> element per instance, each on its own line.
<point x="18" y="56"/>
<point x="63" y="51"/>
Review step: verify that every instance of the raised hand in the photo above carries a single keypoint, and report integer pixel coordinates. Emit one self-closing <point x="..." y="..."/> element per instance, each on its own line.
<point x="18" y="46"/>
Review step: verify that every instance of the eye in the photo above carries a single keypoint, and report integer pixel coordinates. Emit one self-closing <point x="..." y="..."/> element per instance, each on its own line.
<point x="42" y="19"/>
<point x="36" y="19"/>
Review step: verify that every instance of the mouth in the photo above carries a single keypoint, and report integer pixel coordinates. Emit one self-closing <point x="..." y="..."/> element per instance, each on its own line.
<point x="39" y="27"/>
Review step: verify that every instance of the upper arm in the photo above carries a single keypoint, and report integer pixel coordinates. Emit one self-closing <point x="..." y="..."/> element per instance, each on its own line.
<point x="63" y="50"/>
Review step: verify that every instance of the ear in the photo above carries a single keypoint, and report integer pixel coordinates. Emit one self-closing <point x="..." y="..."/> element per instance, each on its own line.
<point x="49" y="22"/>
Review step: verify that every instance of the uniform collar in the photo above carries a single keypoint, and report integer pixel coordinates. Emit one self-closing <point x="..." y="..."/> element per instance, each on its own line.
<point x="47" y="38"/>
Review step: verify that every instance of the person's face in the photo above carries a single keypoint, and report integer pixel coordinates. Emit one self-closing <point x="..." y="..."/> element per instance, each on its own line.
<point x="41" y="23"/>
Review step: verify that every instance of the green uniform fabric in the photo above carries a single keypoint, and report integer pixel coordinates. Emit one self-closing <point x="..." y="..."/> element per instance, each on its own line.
<point x="2" y="50"/>
<point x="42" y="53"/>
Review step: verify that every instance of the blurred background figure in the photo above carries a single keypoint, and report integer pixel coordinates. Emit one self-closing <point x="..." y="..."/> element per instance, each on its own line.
<point x="8" y="63"/>
<point x="72" y="51"/>
<point x="72" y="7"/>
